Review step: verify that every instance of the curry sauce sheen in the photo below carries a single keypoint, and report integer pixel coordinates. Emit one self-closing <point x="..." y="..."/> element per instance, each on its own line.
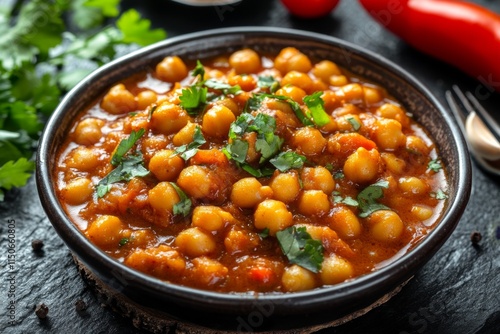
<point x="250" y="173"/>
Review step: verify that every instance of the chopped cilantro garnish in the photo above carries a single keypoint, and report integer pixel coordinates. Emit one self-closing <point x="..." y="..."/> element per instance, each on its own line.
<point x="199" y="71"/>
<point x="316" y="106"/>
<point x="193" y="99"/>
<point x="125" y="145"/>
<point x="152" y="109"/>
<point x="337" y="198"/>
<point x="123" y="242"/>
<point x="338" y="176"/>
<point x="434" y="165"/>
<point x="187" y="151"/>
<point x="439" y="194"/>
<point x="300" y="248"/>
<point x="368" y="197"/>
<point x="265" y="233"/>
<point x="129" y="167"/>
<point x="288" y="160"/>
<point x="236" y="151"/>
<point x="354" y="122"/>
<point x="226" y="88"/>
<point x="183" y="207"/>
<point x="268" y="82"/>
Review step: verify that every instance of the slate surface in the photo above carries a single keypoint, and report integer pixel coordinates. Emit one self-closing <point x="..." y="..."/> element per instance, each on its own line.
<point x="456" y="292"/>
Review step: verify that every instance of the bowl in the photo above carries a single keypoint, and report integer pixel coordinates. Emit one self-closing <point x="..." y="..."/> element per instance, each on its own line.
<point x="276" y="311"/>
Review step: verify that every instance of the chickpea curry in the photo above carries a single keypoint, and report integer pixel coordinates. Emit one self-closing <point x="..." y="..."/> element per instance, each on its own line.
<point x="250" y="173"/>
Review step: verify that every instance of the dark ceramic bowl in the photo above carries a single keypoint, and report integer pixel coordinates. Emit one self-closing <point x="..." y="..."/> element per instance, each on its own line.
<point x="270" y="311"/>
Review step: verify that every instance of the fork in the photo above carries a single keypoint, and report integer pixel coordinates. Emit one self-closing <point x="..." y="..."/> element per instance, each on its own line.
<point x="467" y="99"/>
<point x="483" y="145"/>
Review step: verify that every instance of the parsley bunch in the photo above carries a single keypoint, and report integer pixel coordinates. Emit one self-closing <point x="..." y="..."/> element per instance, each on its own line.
<point x="40" y="60"/>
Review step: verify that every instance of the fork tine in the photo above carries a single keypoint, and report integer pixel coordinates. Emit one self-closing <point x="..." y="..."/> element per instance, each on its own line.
<point x="463" y="100"/>
<point x="489" y="121"/>
<point x="456" y="110"/>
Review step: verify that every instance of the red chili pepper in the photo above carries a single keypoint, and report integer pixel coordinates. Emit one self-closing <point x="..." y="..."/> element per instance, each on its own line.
<point x="461" y="33"/>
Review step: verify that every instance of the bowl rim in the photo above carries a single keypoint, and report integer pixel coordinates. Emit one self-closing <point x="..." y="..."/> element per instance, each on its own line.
<point x="390" y="274"/>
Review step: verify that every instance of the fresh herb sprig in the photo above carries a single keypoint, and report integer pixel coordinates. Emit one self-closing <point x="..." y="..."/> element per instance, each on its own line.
<point x="367" y="199"/>
<point x="128" y="166"/>
<point x="40" y="60"/>
<point x="300" y="248"/>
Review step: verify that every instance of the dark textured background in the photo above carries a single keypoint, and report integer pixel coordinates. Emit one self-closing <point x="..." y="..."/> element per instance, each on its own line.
<point x="456" y="292"/>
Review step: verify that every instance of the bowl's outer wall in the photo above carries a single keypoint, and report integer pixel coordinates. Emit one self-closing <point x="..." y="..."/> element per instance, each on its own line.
<point x="343" y="298"/>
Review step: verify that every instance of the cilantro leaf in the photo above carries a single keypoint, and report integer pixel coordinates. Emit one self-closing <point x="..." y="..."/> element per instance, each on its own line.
<point x="226" y="88"/>
<point x="183" y="207"/>
<point x="123" y="242"/>
<point x="354" y="122"/>
<point x="138" y="30"/>
<point x="434" y="165"/>
<point x="199" y="70"/>
<point x="187" y="151"/>
<point x="108" y="8"/>
<point x="368" y="197"/>
<point x="130" y="166"/>
<point x="125" y="145"/>
<point x="254" y="103"/>
<point x="337" y="198"/>
<point x="316" y="106"/>
<point x="236" y="150"/>
<point x="268" y="82"/>
<point x="15" y="174"/>
<point x="288" y="160"/>
<point x="298" y="246"/>
<point x="193" y="99"/>
<point x="439" y="195"/>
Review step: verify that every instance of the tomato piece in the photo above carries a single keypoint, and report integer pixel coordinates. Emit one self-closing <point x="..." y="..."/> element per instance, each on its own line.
<point x="310" y="8"/>
<point x="262" y="275"/>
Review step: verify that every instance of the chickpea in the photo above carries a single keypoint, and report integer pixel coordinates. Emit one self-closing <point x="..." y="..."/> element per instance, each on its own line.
<point x="245" y="61"/>
<point x="105" y="231"/>
<point x="349" y="123"/>
<point x="119" y="100"/>
<point x="185" y="135"/>
<point x="296" y="278"/>
<point x="417" y="145"/>
<point x="291" y="59"/>
<point x="372" y="95"/>
<point x="298" y="79"/>
<point x="197" y="181"/>
<point x="413" y="185"/>
<point x="171" y="69"/>
<point x="313" y="202"/>
<point x="217" y="120"/>
<point x="421" y="212"/>
<point x="388" y="134"/>
<point x="352" y="93"/>
<point x="385" y="225"/>
<point x="169" y="118"/>
<point x="393" y="111"/>
<point x="345" y="223"/>
<point x="163" y="197"/>
<point x="325" y="69"/>
<point x="362" y="166"/>
<point x="393" y="163"/>
<point x="195" y="242"/>
<point x="77" y="191"/>
<point x="210" y="218"/>
<point x="142" y="238"/>
<point x="317" y="178"/>
<point x="229" y="103"/>
<point x="83" y="159"/>
<point x="293" y="92"/>
<point x="248" y="192"/>
<point x="273" y="215"/>
<point x="285" y="186"/>
<point x="166" y="165"/>
<point x="246" y="82"/>
<point x="88" y="131"/>
<point x="335" y="270"/>
<point x="145" y="99"/>
<point x="338" y="80"/>
<point x="309" y="141"/>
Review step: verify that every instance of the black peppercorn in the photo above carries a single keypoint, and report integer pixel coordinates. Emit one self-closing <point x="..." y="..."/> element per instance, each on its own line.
<point x="41" y="311"/>
<point x="475" y="237"/>
<point x="80" y="305"/>
<point x="37" y="244"/>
